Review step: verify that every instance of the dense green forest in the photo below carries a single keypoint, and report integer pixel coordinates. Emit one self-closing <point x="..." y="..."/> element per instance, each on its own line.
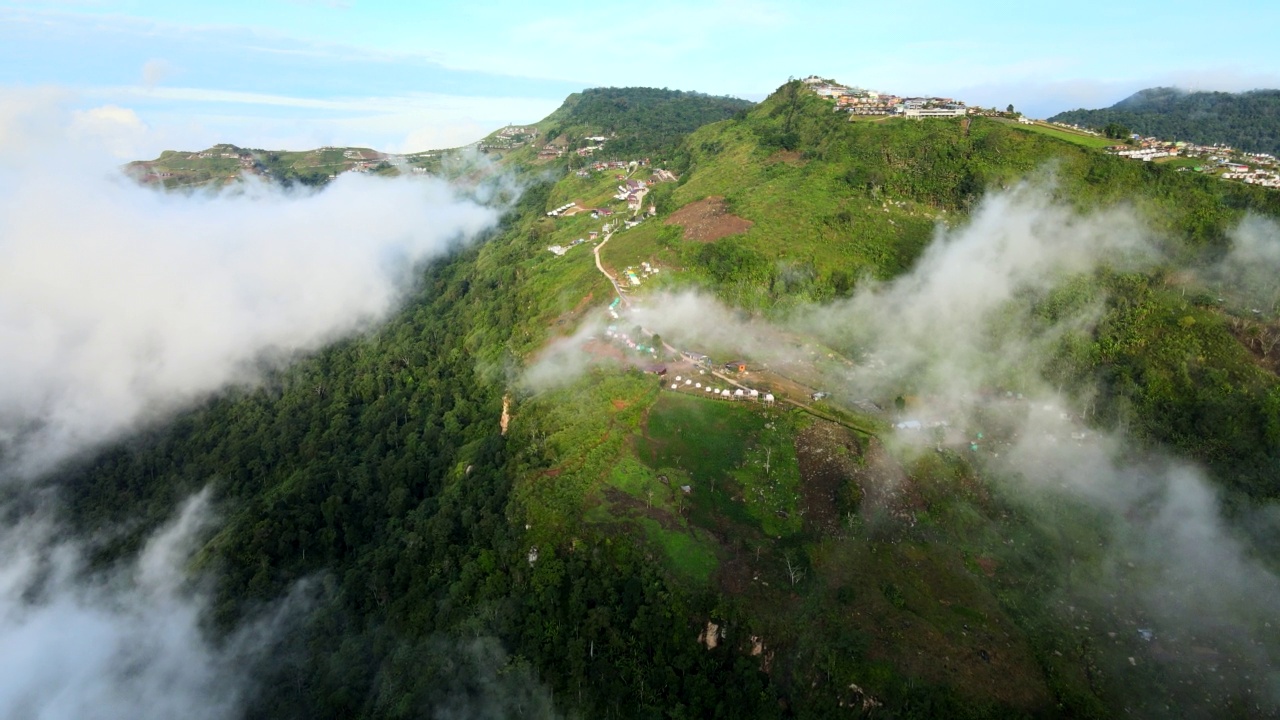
<point x="376" y="473"/>
<point x="1246" y="121"/>
<point x="645" y="120"/>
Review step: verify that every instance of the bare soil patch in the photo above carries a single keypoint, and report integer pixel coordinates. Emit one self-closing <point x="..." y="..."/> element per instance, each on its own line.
<point x="1262" y="340"/>
<point x="885" y="486"/>
<point x="708" y="220"/>
<point x="790" y="157"/>
<point x="828" y="456"/>
<point x="988" y="565"/>
<point x="624" y="505"/>
<point x="570" y="315"/>
<point x="604" y="350"/>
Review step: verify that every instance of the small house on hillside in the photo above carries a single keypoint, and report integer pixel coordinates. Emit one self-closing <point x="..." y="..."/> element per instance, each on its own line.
<point x="696" y="358"/>
<point x="736" y="366"/>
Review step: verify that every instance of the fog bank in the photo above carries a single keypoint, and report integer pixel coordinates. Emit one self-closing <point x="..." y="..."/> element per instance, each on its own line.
<point x="119" y="304"/>
<point x="80" y="645"/>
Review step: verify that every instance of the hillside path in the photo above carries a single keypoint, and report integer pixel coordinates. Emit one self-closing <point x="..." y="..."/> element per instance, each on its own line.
<point x="600" y="266"/>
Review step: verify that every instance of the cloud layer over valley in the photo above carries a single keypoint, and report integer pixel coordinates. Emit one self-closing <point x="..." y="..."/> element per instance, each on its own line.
<point x="119" y="304"/>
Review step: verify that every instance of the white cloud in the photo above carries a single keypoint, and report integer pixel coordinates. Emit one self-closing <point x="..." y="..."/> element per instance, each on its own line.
<point x="119" y="304"/>
<point x="155" y="71"/>
<point x="195" y="118"/>
<point x="81" y="646"/>
<point x="116" y="129"/>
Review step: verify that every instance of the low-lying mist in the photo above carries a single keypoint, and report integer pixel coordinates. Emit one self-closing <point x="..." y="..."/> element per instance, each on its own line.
<point x="129" y="642"/>
<point x="120" y="304"/>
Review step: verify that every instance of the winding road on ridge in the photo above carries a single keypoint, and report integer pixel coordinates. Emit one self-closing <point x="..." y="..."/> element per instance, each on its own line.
<point x="616" y="288"/>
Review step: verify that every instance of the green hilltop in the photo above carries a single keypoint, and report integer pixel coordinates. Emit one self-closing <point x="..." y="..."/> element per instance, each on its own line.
<point x="646" y="553"/>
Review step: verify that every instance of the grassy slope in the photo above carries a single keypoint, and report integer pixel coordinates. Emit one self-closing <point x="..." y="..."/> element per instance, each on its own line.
<point x="1079" y="138"/>
<point x="896" y="605"/>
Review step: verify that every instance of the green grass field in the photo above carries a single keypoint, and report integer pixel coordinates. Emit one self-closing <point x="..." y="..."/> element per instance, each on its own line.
<point x="1082" y="139"/>
<point x="689" y="557"/>
<point x="1186" y="162"/>
<point x="706" y="438"/>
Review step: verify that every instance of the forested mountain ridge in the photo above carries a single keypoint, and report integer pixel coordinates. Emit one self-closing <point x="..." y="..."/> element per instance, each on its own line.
<point x="1248" y="121"/>
<point x="562" y="565"/>
<point x="644" y="120"/>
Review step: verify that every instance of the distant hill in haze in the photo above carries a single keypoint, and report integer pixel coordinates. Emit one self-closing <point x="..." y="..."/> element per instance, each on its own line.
<point x="1247" y="121"/>
<point x="226" y="163"/>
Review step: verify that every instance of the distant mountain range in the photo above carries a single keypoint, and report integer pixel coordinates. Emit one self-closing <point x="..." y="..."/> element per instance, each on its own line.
<point x="1247" y="121"/>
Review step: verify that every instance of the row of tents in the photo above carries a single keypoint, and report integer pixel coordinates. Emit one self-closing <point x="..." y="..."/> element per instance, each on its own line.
<point x="736" y="394"/>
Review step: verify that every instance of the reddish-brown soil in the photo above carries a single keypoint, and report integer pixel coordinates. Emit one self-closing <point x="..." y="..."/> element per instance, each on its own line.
<point x="790" y="157"/>
<point x="988" y="565"/>
<point x="605" y="350"/>
<point x="708" y="220"/>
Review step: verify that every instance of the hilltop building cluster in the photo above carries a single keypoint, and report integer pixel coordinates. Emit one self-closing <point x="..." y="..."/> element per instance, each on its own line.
<point x="857" y="101"/>
<point x="510" y="138"/>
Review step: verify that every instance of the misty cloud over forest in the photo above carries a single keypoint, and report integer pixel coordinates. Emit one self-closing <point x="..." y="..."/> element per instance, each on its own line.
<point x="119" y="304"/>
<point x="76" y="644"/>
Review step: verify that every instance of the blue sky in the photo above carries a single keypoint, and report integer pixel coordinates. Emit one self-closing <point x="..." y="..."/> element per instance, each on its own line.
<point x="416" y="75"/>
